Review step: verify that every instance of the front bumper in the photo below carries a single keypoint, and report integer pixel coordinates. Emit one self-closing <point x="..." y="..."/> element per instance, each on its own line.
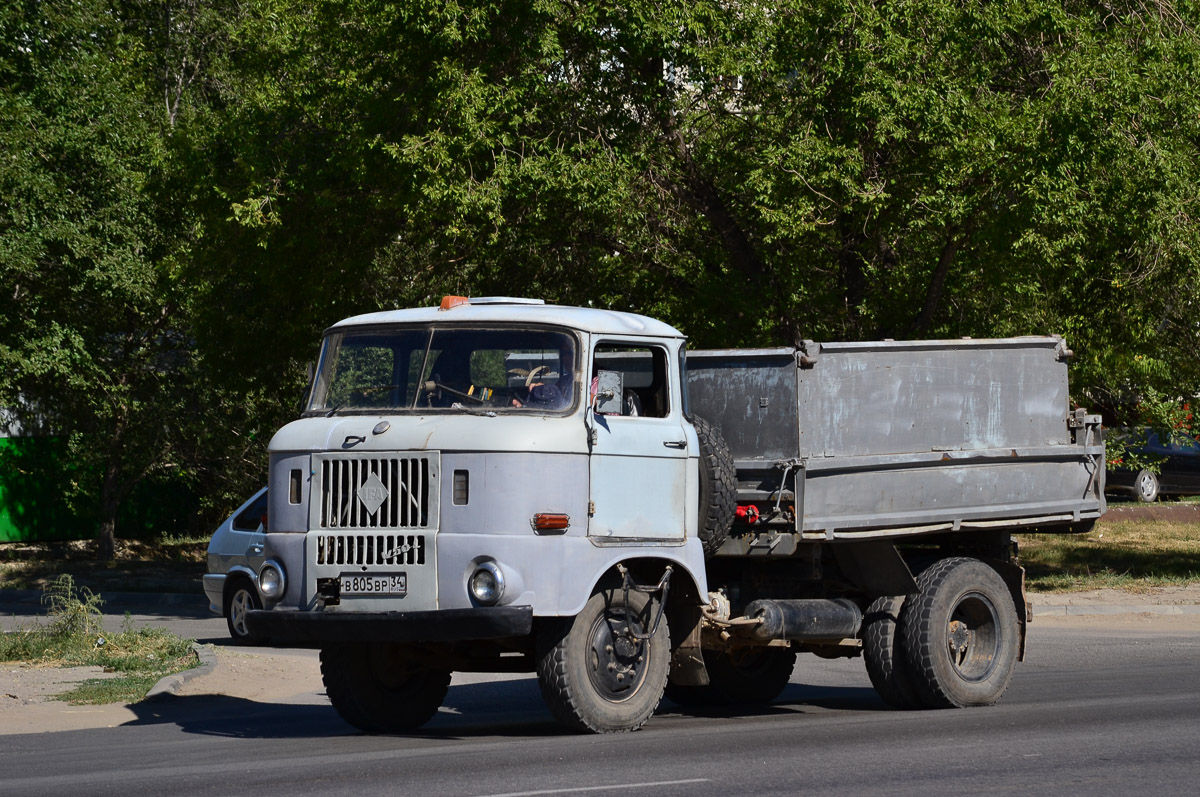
<point x="305" y="629"/>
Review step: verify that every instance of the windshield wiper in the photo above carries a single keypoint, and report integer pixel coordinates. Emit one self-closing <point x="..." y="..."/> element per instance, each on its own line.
<point x="473" y="410"/>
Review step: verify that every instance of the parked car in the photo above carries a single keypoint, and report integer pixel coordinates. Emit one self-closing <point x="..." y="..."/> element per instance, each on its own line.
<point x="1178" y="461"/>
<point x="235" y="554"/>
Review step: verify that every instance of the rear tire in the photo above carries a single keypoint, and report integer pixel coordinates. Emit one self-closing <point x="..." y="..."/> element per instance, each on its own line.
<point x="884" y="653"/>
<point x="377" y="689"/>
<point x="595" y="676"/>
<point x="745" y="677"/>
<point x="961" y="634"/>
<point x="750" y="676"/>
<point x="693" y="696"/>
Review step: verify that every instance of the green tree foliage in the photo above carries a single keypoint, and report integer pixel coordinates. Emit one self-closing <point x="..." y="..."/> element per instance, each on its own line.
<point x="751" y="172"/>
<point x="87" y="312"/>
<point x="192" y="191"/>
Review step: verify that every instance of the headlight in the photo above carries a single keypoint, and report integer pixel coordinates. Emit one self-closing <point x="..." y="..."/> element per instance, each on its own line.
<point x="487" y="584"/>
<point x="271" y="581"/>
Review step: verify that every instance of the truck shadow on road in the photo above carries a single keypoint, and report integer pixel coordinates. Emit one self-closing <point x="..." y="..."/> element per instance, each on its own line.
<point x="795" y="699"/>
<point x="511" y="708"/>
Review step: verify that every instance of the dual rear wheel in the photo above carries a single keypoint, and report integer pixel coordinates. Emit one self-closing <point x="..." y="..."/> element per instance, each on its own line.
<point x="953" y="643"/>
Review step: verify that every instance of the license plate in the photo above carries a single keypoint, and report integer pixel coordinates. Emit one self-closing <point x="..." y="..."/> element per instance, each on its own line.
<point x="374" y="584"/>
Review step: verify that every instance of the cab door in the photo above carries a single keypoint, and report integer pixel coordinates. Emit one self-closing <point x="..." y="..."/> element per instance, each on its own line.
<point x="639" y="459"/>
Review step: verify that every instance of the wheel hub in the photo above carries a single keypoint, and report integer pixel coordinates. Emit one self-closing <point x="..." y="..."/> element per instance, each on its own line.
<point x="959" y="640"/>
<point x="617" y="657"/>
<point x="971" y="640"/>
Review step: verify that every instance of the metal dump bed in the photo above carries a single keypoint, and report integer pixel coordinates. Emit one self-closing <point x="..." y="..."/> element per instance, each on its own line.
<point x="861" y="440"/>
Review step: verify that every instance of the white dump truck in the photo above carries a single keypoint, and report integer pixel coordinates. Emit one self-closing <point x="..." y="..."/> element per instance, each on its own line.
<point x="500" y="485"/>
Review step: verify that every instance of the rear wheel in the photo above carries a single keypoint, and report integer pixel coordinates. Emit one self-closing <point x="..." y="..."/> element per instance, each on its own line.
<point x="746" y="676"/>
<point x="961" y="634"/>
<point x="595" y="673"/>
<point x="884" y="654"/>
<point x="377" y="689"/>
<point x="750" y="676"/>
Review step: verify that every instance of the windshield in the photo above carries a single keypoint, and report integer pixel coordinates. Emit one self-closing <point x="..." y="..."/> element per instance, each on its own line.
<point x="450" y="369"/>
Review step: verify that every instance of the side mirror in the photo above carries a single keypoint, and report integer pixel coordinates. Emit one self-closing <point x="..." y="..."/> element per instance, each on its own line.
<point x="608" y="393"/>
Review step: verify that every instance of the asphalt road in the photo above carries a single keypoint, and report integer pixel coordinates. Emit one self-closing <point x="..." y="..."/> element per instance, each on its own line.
<point x="1093" y="711"/>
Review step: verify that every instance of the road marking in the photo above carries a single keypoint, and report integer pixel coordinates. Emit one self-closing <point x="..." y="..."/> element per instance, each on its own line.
<point x="579" y="789"/>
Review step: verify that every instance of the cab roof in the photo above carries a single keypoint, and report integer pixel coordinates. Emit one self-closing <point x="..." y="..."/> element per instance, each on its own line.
<point x="510" y="310"/>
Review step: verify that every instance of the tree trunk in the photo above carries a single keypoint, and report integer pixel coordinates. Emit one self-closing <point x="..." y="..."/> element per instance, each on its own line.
<point x="937" y="281"/>
<point x="106" y="540"/>
<point x="110" y="502"/>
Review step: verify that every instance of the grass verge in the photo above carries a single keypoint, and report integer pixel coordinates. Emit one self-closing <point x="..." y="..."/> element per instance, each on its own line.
<point x="72" y="636"/>
<point x="169" y="564"/>
<point x="1122" y="554"/>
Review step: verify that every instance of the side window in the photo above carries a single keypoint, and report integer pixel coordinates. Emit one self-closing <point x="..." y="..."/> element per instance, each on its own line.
<point x="643" y="372"/>
<point x="250" y="518"/>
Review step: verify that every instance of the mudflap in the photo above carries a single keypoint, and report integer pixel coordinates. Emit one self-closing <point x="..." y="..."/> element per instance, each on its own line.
<point x="687" y="662"/>
<point x="1014" y="577"/>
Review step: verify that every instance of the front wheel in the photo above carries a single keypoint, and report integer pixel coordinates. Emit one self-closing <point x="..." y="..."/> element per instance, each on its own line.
<point x="597" y="671"/>
<point x="1146" y="487"/>
<point x="377" y="689"/>
<point x="961" y="634"/>
<point x="241" y="597"/>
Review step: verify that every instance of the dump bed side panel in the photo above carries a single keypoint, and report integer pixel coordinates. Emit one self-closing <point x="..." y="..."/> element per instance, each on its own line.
<point x="862" y="399"/>
<point x="908" y="437"/>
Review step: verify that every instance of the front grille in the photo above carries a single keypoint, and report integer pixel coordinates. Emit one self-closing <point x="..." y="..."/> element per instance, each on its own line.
<point x="372" y="492"/>
<point x="370" y="549"/>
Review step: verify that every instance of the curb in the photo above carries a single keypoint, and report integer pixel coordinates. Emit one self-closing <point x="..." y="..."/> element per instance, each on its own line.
<point x="1069" y="610"/>
<point x="168" y="685"/>
<point x="34" y="596"/>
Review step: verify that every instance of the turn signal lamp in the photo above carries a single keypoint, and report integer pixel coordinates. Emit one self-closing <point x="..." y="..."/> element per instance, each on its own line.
<point x="550" y="521"/>
<point x="449" y="302"/>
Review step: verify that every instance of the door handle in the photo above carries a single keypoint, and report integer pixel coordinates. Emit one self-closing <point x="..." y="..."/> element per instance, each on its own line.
<point x="675" y="443"/>
<point x="255" y="550"/>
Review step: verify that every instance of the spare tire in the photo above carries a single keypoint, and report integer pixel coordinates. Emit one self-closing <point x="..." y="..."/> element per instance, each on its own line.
<point x="718" y="487"/>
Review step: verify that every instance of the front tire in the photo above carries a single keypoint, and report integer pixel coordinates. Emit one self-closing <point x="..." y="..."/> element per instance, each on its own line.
<point x="377" y="689"/>
<point x="961" y="634"/>
<point x="1145" y="486"/>
<point x="241" y="597"/>
<point x="595" y="675"/>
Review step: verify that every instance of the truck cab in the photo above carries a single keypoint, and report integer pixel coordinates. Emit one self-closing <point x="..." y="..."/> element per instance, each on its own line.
<point x="463" y="474"/>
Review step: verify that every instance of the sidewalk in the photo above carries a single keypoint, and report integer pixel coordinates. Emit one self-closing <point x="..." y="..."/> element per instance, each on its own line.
<point x="1156" y="600"/>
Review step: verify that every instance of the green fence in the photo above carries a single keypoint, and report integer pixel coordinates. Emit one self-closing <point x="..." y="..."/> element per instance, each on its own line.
<point x="36" y="478"/>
